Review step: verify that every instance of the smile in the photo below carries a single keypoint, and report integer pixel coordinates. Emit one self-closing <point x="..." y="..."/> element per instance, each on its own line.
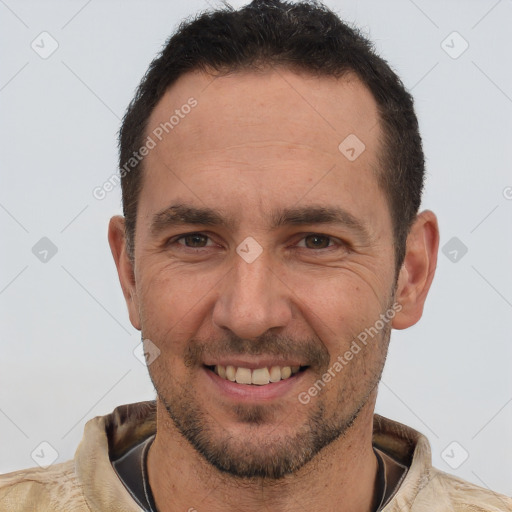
<point x="256" y="376"/>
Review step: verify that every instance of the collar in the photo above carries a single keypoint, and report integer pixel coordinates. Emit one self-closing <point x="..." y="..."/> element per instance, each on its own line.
<point x="131" y="468"/>
<point x="109" y="437"/>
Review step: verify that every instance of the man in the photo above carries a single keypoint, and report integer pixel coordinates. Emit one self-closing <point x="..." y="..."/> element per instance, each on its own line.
<point x="272" y="173"/>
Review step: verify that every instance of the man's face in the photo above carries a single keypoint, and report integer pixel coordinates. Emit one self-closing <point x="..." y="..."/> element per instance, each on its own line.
<point x="278" y="283"/>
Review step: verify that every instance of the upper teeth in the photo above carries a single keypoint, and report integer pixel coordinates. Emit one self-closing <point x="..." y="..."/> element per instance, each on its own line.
<point x="258" y="376"/>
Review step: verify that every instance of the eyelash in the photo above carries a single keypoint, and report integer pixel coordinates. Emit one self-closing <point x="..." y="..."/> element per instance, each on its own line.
<point x="175" y="240"/>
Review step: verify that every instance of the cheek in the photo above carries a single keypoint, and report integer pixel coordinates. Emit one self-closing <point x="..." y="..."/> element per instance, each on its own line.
<point x="338" y="309"/>
<point x="172" y="302"/>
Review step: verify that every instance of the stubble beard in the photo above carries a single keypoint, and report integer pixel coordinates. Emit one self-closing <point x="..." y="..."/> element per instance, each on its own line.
<point x="274" y="455"/>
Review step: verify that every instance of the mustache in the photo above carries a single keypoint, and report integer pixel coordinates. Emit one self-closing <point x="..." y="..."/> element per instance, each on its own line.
<point x="311" y="352"/>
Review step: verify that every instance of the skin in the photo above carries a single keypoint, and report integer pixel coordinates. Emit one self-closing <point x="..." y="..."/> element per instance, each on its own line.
<point x="257" y="143"/>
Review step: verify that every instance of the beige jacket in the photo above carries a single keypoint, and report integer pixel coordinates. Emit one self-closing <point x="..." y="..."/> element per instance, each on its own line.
<point x="89" y="483"/>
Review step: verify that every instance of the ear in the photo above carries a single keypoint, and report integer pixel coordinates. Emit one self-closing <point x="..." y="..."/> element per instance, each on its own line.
<point x="417" y="270"/>
<point x="125" y="270"/>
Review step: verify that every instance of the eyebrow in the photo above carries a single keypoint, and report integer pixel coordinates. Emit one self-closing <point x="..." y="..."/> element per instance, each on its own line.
<point x="183" y="214"/>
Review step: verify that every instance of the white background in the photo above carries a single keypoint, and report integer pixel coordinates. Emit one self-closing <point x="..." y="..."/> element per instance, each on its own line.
<point x="66" y="345"/>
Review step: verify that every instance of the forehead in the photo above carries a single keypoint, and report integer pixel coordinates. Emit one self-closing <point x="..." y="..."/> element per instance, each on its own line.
<point x="278" y="106"/>
<point x="252" y="142"/>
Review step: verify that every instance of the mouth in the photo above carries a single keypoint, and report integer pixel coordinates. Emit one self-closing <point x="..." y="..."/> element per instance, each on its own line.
<point x="255" y="376"/>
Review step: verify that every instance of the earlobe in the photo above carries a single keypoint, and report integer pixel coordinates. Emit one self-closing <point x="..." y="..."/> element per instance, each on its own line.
<point x="417" y="270"/>
<point x="125" y="270"/>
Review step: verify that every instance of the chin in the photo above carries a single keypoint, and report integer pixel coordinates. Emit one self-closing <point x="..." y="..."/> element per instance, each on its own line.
<point x="257" y="446"/>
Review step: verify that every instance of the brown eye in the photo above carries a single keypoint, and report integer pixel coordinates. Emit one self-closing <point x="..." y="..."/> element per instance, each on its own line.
<point x="195" y="240"/>
<point x="317" y="241"/>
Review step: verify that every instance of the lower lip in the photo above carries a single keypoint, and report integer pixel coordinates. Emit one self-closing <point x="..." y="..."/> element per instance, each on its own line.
<point x="253" y="392"/>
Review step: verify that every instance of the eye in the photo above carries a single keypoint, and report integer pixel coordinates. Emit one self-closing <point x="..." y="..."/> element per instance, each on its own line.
<point x="309" y="241"/>
<point x="316" y="241"/>
<point x="192" y="240"/>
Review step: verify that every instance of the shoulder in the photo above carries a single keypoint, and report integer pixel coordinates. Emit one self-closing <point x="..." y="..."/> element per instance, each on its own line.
<point x="89" y="478"/>
<point x="426" y="488"/>
<point x="449" y="492"/>
<point x="55" y="489"/>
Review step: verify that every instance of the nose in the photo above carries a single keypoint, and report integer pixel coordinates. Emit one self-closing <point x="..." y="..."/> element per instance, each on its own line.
<point x="252" y="299"/>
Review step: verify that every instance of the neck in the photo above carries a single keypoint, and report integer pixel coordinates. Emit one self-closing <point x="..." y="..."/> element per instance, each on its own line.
<point x="340" y="478"/>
